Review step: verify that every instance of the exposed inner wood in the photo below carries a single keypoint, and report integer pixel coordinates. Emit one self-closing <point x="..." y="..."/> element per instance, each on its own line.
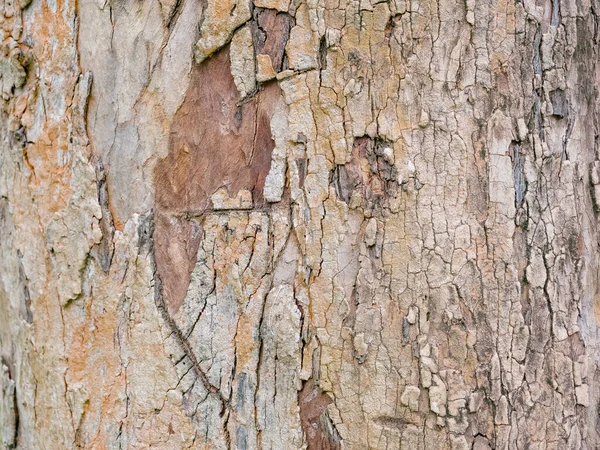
<point x="214" y="143"/>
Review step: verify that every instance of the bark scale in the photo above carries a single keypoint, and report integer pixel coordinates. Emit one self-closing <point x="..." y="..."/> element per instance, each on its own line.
<point x="292" y="224"/>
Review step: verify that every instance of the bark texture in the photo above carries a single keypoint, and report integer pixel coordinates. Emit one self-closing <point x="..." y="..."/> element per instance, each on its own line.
<point x="299" y="224"/>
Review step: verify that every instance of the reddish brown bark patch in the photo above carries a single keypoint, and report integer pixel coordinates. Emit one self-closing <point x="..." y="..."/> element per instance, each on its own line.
<point x="176" y="243"/>
<point x="319" y="431"/>
<point x="367" y="172"/>
<point x="271" y="33"/>
<point x="214" y="143"/>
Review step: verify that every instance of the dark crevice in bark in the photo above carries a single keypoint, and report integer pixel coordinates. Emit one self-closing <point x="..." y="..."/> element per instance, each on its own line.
<point x="105" y="249"/>
<point x="24" y="281"/>
<point x="323" y="54"/>
<point x="377" y="184"/>
<point x="518" y="163"/>
<point x="181" y="340"/>
<point x="174" y="15"/>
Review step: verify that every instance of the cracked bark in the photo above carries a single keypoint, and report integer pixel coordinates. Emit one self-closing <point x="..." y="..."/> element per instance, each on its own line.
<point x="280" y="224"/>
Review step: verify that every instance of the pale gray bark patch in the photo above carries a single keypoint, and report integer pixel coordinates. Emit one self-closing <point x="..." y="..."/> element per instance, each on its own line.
<point x="379" y="220"/>
<point x="9" y="416"/>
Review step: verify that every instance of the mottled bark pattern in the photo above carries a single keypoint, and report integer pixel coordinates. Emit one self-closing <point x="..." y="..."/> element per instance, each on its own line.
<point x="299" y="224"/>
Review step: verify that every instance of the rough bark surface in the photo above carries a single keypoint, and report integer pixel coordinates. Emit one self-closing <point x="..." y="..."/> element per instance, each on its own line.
<point x="299" y="224"/>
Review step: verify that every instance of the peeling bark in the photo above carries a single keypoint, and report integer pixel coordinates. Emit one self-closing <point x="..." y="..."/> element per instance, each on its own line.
<point x="280" y="224"/>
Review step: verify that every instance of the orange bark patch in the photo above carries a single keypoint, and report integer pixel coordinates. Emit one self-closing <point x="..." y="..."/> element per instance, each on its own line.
<point x="52" y="36"/>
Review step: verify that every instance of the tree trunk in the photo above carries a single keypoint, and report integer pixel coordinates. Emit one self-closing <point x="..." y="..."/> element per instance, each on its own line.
<point x="294" y="224"/>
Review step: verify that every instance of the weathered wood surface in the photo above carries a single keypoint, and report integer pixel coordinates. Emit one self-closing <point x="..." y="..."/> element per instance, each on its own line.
<point x="294" y="224"/>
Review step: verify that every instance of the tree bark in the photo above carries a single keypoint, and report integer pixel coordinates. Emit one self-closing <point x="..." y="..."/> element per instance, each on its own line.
<point x="289" y="224"/>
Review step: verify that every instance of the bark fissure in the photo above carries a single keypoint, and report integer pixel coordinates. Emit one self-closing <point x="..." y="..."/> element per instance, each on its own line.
<point x="283" y="224"/>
